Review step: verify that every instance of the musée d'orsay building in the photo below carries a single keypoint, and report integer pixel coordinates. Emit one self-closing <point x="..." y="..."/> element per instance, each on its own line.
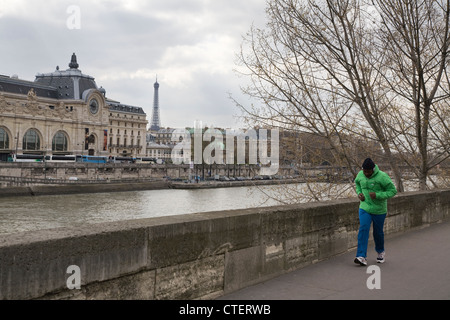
<point x="65" y="113"/>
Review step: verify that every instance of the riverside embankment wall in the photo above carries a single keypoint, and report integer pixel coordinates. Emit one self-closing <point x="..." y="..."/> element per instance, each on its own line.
<point x="122" y="171"/>
<point x="195" y="256"/>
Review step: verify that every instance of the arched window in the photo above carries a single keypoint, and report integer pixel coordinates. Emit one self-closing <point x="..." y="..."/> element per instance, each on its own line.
<point x="60" y="142"/>
<point x="31" y="141"/>
<point x="4" y="139"/>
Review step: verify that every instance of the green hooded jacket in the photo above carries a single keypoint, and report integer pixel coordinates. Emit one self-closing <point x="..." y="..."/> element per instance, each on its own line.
<point x="381" y="184"/>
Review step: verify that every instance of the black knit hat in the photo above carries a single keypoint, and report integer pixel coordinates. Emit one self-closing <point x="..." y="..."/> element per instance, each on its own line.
<point x="368" y="164"/>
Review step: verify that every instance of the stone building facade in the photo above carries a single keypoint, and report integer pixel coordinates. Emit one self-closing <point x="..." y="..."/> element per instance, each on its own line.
<point x="127" y="133"/>
<point x="65" y="113"/>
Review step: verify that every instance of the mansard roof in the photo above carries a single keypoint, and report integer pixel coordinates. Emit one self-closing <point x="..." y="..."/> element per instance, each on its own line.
<point x="19" y="86"/>
<point x="117" y="106"/>
<point x="67" y="84"/>
<point x="61" y="84"/>
<point x="70" y="83"/>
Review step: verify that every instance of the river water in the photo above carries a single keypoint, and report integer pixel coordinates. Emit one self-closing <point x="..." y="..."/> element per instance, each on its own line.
<point x="18" y="214"/>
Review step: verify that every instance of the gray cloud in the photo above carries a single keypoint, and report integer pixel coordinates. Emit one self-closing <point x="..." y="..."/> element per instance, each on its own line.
<point x="190" y="45"/>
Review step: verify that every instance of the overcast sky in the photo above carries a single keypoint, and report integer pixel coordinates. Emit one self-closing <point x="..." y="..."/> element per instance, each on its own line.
<point x="189" y="44"/>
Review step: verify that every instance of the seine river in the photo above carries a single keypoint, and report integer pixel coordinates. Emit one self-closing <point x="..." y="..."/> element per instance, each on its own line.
<point x="19" y="214"/>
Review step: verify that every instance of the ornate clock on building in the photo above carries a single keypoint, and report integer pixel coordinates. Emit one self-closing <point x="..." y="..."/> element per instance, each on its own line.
<point x="93" y="106"/>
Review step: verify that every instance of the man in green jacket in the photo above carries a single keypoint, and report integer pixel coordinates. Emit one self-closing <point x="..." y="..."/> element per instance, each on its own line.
<point x="373" y="187"/>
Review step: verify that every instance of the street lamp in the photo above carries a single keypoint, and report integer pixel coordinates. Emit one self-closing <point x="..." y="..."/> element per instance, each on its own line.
<point x="45" y="163"/>
<point x="17" y="142"/>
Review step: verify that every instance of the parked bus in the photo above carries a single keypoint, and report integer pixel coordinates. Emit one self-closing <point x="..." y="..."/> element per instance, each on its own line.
<point x="91" y="159"/>
<point x="27" y="158"/>
<point x="145" y="160"/>
<point x="60" y="158"/>
<point x="122" y="160"/>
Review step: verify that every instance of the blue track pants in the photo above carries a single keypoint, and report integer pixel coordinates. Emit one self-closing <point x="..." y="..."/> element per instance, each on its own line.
<point x="365" y="220"/>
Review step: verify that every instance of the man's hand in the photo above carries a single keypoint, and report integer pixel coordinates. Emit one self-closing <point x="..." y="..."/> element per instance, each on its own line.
<point x="373" y="195"/>
<point x="361" y="197"/>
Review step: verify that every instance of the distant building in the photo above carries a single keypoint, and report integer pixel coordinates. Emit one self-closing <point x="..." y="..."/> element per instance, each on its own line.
<point x="160" y="144"/>
<point x="159" y="151"/>
<point x="163" y="136"/>
<point x="64" y="112"/>
<point x="127" y="133"/>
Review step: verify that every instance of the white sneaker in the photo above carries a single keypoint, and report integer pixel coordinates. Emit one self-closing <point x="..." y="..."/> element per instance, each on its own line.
<point x="361" y="261"/>
<point x="380" y="258"/>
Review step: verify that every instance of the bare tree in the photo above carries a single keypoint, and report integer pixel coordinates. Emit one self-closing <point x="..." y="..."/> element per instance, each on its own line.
<point x="323" y="67"/>
<point x="415" y="37"/>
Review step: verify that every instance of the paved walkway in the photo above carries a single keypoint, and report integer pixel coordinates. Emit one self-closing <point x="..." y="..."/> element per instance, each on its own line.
<point x="417" y="267"/>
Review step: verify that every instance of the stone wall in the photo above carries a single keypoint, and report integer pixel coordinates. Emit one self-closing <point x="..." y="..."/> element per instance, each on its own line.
<point x="195" y="256"/>
<point x="118" y="171"/>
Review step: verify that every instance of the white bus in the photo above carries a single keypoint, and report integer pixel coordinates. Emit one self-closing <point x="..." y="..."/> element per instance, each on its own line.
<point x="60" y="158"/>
<point x="27" y="158"/>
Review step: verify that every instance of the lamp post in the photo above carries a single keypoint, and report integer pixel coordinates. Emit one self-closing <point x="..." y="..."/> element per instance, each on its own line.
<point x="17" y="142"/>
<point x="45" y="163"/>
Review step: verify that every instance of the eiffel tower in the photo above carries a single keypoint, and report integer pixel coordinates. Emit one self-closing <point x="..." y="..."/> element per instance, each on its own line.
<point x="156" y="121"/>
